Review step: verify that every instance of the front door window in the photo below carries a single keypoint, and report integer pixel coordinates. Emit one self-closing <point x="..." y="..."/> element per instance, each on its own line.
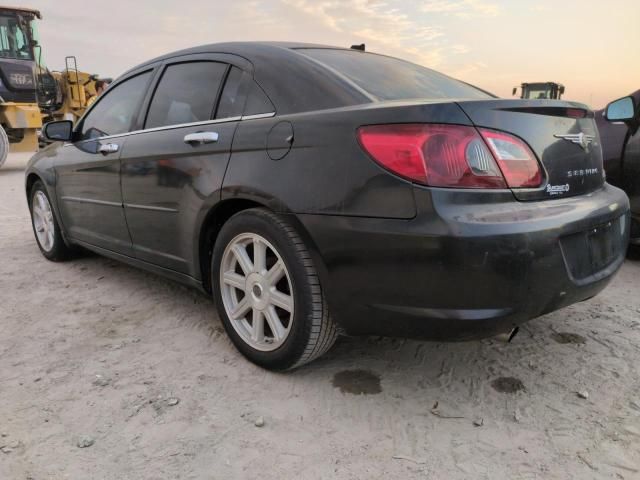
<point x="114" y="112"/>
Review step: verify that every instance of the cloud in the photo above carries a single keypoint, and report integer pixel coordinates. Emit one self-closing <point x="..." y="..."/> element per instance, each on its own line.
<point x="465" y="71"/>
<point x="320" y="11"/>
<point x="459" y="49"/>
<point x="380" y="25"/>
<point x="139" y="31"/>
<point x="538" y="8"/>
<point x="462" y="8"/>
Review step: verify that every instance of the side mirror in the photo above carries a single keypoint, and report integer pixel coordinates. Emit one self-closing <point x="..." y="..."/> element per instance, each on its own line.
<point x="621" y="110"/>
<point x="59" y="131"/>
<point x="561" y="90"/>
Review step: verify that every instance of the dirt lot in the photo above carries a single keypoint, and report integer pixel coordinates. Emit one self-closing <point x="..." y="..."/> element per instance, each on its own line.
<point x="95" y="351"/>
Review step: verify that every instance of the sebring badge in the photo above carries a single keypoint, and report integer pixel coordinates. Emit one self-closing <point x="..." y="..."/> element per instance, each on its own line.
<point x="578" y="138"/>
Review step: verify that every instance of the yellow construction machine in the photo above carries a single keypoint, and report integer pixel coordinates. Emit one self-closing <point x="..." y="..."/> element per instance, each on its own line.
<point x="19" y="112"/>
<point x="540" y="90"/>
<point x="65" y="95"/>
<point x="29" y="92"/>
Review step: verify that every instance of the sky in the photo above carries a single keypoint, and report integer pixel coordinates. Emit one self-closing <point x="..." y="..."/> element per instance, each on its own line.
<point x="590" y="46"/>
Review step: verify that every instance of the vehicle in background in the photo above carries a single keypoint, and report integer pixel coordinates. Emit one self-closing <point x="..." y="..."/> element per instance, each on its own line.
<point x="67" y="94"/>
<point x="19" y="112"/>
<point x="540" y="91"/>
<point x="29" y="92"/>
<point x="314" y="190"/>
<point x="619" y="126"/>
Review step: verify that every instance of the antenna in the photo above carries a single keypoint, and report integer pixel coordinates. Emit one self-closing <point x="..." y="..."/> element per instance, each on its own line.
<point x="358" y="47"/>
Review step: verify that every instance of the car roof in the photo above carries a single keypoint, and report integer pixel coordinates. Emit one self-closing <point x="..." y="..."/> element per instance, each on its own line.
<point x="245" y="49"/>
<point x="294" y="82"/>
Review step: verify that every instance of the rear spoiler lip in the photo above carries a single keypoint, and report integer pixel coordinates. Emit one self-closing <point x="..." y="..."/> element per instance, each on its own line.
<point x="552" y="111"/>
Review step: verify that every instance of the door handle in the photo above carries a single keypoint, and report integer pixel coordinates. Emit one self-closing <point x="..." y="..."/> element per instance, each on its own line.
<point x="108" y="148"/>
<point x="201" y="138"/>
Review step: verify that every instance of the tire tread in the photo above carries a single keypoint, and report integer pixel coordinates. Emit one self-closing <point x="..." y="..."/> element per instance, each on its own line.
<point x="324" y="331"/>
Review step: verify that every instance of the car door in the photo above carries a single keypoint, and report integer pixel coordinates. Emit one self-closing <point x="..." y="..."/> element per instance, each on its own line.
<point x="88" y="169"/>
<point x="178" y="159"/>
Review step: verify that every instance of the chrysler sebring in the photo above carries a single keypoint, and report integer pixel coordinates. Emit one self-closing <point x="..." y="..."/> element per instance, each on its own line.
<point x="314" y="191"/>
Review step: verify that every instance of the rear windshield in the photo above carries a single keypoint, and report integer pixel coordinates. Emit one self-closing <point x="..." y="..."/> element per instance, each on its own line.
<point x="388" y="78"/>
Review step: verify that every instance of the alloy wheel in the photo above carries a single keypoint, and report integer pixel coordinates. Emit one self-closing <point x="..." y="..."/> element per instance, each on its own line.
<point x="43" y="223"/>
<point x="257" y="292"/>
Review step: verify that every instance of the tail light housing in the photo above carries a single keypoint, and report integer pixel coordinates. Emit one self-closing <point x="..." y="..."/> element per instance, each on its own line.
<point x="452" y="155"/>
<point x="516" y="160"/>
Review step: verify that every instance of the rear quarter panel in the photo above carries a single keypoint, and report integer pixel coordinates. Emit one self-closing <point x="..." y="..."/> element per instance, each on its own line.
<point x="326" y="171"/>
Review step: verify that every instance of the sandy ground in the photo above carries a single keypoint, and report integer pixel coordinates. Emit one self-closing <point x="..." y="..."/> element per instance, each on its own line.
<point x="96" y="351"/>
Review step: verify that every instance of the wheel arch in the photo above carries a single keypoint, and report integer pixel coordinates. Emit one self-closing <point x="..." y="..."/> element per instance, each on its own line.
<point x="213" y="221"/>
<point x="30" y="181"/>
<point x="219" y="214"/>
<point x="38" y="176"/>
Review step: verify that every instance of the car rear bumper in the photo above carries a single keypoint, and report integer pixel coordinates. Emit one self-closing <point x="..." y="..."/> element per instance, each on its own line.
<point x="471" y="264"/>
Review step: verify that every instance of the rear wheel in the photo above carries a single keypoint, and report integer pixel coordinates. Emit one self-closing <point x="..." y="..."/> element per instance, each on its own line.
<point x="268" y="292"/>
<point x="4" y="146"/>
<point x="45" y="225"/>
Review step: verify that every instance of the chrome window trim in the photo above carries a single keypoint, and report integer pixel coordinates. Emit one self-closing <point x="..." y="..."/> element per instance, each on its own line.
<point x="181" y="125"/>
<point x="258" y="115"/>
<point x="158" y="129"/>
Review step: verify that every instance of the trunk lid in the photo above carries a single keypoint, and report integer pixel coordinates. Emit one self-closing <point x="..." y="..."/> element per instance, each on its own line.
<point x="563" y="135"/>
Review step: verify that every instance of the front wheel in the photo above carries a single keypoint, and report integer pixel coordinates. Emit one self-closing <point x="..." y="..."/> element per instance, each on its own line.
<point x="4" y="146"/>
<point x="268" y="292"/>
<point x="45" y="225"/>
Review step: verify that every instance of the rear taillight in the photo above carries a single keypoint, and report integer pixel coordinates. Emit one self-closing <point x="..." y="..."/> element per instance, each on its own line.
<point x="516" y="160"/>
<point x="445" y="155"/>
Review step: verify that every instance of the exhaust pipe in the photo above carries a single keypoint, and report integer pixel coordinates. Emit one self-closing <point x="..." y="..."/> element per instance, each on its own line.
<point x="507" y="336"/>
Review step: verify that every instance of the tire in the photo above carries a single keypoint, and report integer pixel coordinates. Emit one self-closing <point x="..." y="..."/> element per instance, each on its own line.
<point x="304" y="332"/>
<point x="45" y="225"/>
<point x="633" y="251"/>
<point x="4" y="146"/>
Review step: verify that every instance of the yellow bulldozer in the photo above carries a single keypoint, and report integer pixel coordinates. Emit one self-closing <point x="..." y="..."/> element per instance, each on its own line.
<point x="30" y="93"/>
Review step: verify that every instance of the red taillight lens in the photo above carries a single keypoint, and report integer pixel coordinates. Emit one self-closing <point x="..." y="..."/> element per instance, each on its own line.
<point x="516" y="160"/>
<point x="435" y="155"/>
<point x="452" y="155"/>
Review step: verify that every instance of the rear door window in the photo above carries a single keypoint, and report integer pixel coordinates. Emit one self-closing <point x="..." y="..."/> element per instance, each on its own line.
<point x="388" y="78"/>
<point x="187" y="93"/>
<point x="257" y="101"/>
<point x="242" y="96"/>
<point x="230" y="104"/>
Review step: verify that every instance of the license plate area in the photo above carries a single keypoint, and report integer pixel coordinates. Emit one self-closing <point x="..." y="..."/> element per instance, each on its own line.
<point x="590" y="252"/>
<point x="602" y="246"/>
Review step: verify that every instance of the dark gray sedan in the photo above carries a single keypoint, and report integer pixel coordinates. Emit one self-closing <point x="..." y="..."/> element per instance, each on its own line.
<point x="315" y="190"/>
